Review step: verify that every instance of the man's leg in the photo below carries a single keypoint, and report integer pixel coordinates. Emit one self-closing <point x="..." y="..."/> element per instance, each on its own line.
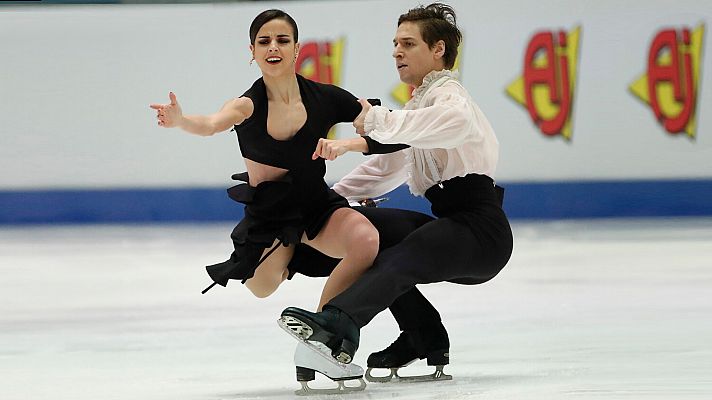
<point x="441" y="250"/>
<point x="438" y="251"/>
<point x="411" y="310"/>
<point x="422" y="336"/>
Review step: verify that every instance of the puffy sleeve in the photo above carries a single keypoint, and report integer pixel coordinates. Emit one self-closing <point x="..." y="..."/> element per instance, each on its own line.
<point x="374" y="177"/>
<point x="446" y="123"/>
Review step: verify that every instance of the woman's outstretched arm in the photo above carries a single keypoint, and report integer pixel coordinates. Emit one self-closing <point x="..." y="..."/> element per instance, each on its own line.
<point x="233" y="112"/>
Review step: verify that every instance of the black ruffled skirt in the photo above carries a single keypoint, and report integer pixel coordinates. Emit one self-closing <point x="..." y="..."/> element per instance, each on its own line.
<point x="274" y="211"/>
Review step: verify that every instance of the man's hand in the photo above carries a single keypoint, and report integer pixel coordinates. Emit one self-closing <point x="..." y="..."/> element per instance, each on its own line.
<point x="361" y="118"/>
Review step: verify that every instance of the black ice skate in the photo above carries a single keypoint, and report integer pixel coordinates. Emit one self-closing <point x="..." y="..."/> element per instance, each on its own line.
<point x="331" y="332"/>
<point x="430" y="343"/>
<point x="309" y="361"/>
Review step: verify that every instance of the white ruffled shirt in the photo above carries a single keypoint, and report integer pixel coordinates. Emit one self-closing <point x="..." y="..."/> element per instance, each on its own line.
<point x="448" y="134"/>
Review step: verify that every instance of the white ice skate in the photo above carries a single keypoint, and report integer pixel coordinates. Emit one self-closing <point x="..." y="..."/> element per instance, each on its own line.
<point x="303" y="332"/>
<point x="308" y="361"/>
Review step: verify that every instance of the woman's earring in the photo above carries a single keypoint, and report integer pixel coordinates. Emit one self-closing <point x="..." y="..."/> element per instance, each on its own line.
<point x="252" y="60"/>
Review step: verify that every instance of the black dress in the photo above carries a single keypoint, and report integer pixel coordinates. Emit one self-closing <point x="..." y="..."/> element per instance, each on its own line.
<point x="301" y="202"/>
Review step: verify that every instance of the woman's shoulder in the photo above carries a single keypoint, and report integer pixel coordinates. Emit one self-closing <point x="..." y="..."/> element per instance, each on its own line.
<point x="257" y="91"/>
<point x="327" y="89"/>
<point x="244" y="105"/>
<point x="248" y="102"/>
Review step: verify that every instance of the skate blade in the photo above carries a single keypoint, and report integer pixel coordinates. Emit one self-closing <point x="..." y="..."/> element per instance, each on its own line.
<point x="301" y="331"/>
<point x="295" y="327"/>
<point x="383" y="379"/>
<point x="341" y="389"/>
<point x="438" y="375"/>
<point x="380" y="379"/>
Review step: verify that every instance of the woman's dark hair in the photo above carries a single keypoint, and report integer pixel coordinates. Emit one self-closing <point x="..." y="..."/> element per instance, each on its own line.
<point x="269" y="15"/>
<point x="436" y="22"/>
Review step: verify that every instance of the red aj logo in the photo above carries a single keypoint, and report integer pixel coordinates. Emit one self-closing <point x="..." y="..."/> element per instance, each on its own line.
<point x="547" y="85"/>
<point x="672" y="80"/>
<point x="321" y="61"/>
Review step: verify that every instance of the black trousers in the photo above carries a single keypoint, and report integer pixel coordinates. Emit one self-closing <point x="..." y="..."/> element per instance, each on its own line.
<point x="469" y="243"/>
<point x="411" y="309"/>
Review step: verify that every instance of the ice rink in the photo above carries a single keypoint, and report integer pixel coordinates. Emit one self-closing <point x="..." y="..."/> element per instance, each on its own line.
<point x="589" y="309"/>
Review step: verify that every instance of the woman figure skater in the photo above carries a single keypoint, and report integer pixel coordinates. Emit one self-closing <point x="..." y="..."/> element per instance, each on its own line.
<point x="279" y="121"/>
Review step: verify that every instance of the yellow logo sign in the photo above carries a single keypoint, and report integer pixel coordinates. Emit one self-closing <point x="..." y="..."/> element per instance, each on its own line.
<point x="671" y="82"/>
<point x="547" y="86"/>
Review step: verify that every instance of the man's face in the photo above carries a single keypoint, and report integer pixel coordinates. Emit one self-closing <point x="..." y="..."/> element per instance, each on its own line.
<point x="414" y="59"/>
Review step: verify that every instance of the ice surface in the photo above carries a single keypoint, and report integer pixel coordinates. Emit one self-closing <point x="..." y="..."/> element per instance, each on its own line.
<point x="604" y="309"/>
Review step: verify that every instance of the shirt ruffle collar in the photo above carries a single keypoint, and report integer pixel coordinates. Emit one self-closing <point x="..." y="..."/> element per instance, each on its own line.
<point x="429" y="79"/>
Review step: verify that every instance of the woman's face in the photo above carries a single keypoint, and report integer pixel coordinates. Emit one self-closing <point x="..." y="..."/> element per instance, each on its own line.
<point x="414" y="59"/>
<point x="274" y="49"/>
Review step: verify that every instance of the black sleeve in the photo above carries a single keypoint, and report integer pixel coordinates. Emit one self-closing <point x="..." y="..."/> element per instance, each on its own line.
<point x="375" y="147"/>
<point x="344" y="106"/>
<point x="254" y="93"/>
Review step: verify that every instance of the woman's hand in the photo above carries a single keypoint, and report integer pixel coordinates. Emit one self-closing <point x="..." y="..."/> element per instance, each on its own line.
<point x="331" y="149"/>
<point x="169" y="115"/>
<point x="361" y="118"/>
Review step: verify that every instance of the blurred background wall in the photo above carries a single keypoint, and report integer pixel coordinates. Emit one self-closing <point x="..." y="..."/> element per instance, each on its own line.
<point x="601" y="108"/>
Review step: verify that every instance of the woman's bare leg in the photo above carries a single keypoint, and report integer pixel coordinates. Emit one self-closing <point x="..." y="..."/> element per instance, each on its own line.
<point x="272" y="272"/>
<point x="350" y="236"/>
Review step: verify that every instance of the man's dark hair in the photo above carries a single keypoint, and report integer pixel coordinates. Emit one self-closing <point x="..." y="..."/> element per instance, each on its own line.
<point x="437" y="22"/>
